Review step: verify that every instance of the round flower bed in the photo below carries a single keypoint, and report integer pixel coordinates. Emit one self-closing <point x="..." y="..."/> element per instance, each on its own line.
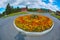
<point x="32" y="23"/>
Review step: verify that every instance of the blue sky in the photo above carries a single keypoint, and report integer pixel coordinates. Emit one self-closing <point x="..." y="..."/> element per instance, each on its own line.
<point x="49" y="4"/>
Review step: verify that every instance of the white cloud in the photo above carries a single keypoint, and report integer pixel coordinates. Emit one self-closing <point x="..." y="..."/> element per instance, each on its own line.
<point x="51" y="1"/>
<point x="16" y="3"/>
<point x="31" y="3"/>
<point x="52" y="7"/>
<point x="48" y="6"/>
<point x="2" y="3"/>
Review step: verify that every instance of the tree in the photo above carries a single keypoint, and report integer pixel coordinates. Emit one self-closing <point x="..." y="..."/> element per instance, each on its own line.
<point x="8" y="9"/>
<point x="17" y="9"/>
<point x="27" y="7"/>
<point x="1" y="15"/>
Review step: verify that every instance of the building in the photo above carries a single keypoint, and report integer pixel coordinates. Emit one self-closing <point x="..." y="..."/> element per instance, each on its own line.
<point x="24" y="9"/>
<point x="39" y="10"/>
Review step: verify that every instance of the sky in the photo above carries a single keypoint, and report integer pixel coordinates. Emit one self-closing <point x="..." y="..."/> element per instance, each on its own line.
<point x="48" y="4"/>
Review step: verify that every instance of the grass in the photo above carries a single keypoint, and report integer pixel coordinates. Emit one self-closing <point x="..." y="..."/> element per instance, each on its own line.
<point x="13" y="14"/>
<point x="18" y="13"/>
<point x="57" y="16"/>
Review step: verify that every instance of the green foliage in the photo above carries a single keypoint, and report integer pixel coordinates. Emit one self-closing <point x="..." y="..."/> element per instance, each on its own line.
<point x="32" y="9"/>
<point x="34" y="16"/>
<point x="1" y="15"/>
<point x="13" y="14"/>
<point x="57" y="16"/>
<point x="8" y="9"/>
<point x="16" y="10"/>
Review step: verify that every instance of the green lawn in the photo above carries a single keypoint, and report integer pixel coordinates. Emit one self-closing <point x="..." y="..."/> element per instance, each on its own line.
<point x="18" y="13"/>
<point x="13" y="14"/>
<point x="57" y="16"/>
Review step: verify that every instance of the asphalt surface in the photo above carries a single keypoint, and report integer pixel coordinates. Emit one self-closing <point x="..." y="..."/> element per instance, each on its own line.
<point x="8" y="31"/>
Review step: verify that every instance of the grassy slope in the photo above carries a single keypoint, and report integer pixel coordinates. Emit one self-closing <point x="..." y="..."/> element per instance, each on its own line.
<point x="57" y="16"/>
<point x="13" y="14"/>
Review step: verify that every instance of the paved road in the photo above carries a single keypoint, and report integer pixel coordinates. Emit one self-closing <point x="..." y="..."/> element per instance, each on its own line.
<point x="8" y="32"/>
